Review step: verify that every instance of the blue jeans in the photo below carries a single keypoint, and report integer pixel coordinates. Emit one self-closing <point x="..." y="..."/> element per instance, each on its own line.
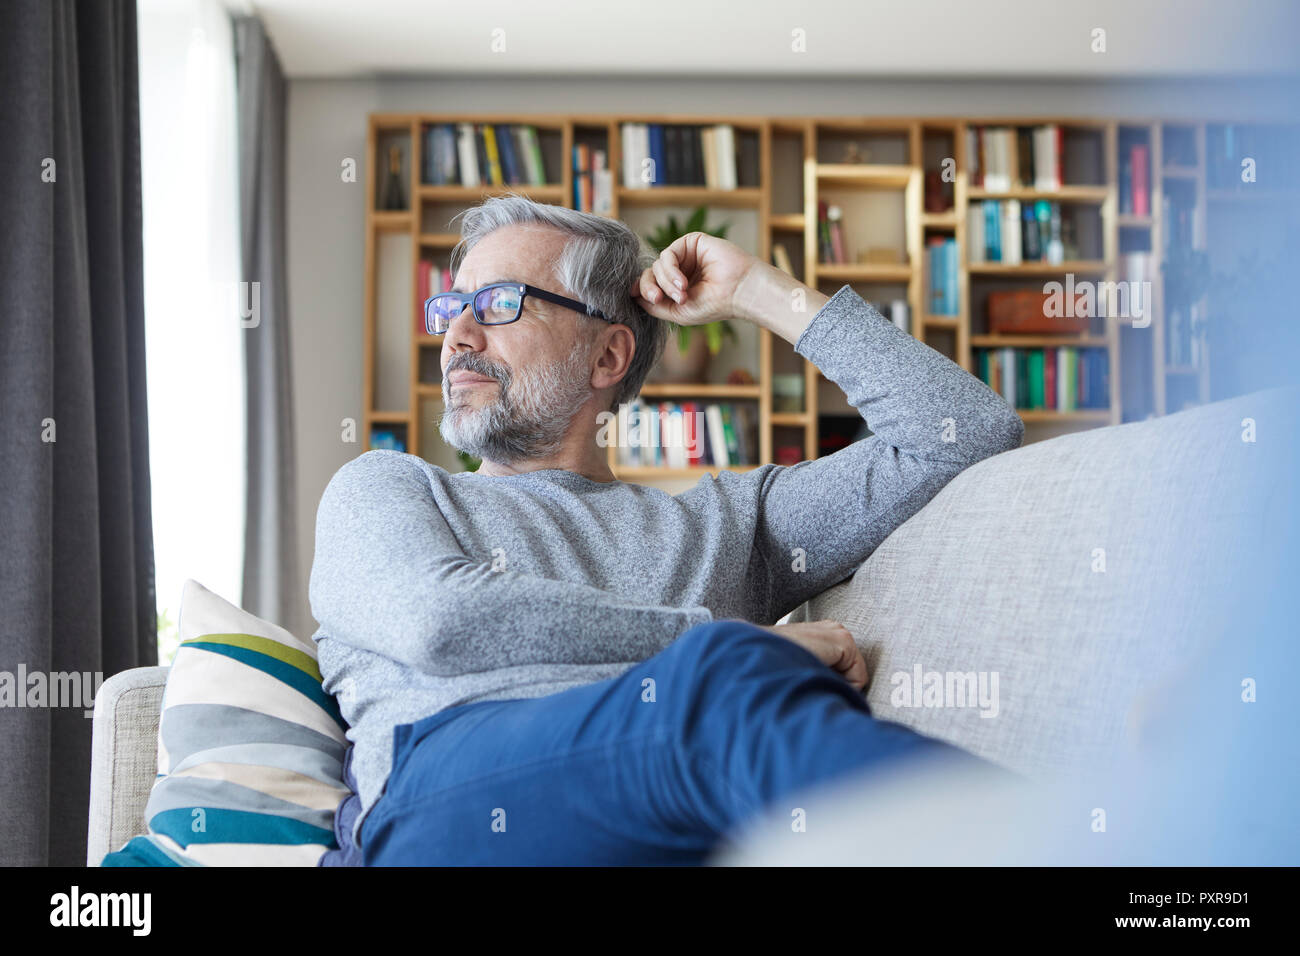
<point x="655" y="766"/>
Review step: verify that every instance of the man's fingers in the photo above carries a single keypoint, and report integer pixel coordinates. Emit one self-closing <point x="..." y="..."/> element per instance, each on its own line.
<point x="647" y="288"/>
<point x="856" y="672"/>
<point x="672" y="262"/>
<point x="665" y="279"/>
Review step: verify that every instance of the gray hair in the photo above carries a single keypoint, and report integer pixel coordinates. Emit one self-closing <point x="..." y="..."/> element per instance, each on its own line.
<point x="600" y="259"/>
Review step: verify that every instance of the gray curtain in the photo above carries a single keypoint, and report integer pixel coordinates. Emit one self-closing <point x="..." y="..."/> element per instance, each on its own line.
<point x="272" y="580"/>
<point x="76" y="537"/>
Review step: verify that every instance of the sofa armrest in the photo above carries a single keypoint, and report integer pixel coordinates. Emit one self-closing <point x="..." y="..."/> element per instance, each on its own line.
<point x="124" y="758"/>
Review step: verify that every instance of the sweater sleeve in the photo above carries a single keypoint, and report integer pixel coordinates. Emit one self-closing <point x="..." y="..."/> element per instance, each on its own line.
<point x="930" y="419"/>
<point x="389" y="577"/>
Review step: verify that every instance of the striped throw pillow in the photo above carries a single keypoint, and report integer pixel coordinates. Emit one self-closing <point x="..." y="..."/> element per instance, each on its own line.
<point x="250" y="747"/>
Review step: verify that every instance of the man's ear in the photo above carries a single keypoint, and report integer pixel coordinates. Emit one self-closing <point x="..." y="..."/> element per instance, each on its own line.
<point x="615" y="346"/>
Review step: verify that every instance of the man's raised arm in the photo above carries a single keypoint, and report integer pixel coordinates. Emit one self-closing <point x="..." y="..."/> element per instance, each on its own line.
<point x="930" y="420"/>
<point x="389" y="577"/>
<point x="819" y="520"/>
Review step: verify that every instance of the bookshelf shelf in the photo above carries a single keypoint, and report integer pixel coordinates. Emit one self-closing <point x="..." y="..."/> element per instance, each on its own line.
<point x="701" y="390"/>
<point x="865" y="174"/>
<point x="939" y="220"/>
<point x="1037" y="341"/>
<point x="791" y="418"/>
<point x="688" y="196"/>
<point x="789" y="222"/>
<point x="881" y="172"/>
<point x="864" y="272"/>
<point x="1036" y="268"/>
<point x="1093" y="415"/>
<point x="439" y="240"/>
<point x="390" y="220"/>
<point x="551" y="192"/>
<point x="1079" y="194"/>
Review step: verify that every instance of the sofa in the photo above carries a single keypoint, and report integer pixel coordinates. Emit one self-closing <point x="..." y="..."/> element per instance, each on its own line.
<point x="1056" y="589"/>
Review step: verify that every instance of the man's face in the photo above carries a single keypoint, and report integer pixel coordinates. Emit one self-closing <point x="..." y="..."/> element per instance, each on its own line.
<point x="510" y="391"/>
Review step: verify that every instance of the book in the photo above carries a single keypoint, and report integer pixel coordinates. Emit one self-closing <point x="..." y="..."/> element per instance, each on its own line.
<point x="1047" y="157"/>
<point x="467" y="155"/>
<point x="992" y="237"/>
<point x="1009" y="233"/>
<point x="717" y="436"/>
<point x="1030" y="248"/>
<point x="825" y="252"/>
<point x="834" y="215"/>
<point x="1141" y="189"/>
<point x="676" y="154"/>
<point x="1060" y="379"/>
<point x="941" y="260"/>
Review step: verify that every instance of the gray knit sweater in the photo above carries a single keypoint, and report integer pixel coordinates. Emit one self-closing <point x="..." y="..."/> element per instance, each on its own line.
<point x="435" y="589"/>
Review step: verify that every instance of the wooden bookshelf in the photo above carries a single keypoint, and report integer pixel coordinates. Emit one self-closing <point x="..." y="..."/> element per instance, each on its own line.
<point x="802" y="161"/>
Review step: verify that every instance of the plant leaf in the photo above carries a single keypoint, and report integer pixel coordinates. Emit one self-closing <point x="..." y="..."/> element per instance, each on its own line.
<point x="715" y="337"/>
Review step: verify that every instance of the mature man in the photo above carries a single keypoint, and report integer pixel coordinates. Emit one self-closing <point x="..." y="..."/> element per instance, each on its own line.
<point x="542" y="664"/>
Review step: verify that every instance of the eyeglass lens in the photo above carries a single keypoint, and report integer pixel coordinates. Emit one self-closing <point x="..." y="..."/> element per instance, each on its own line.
<point x="494" y="306"/>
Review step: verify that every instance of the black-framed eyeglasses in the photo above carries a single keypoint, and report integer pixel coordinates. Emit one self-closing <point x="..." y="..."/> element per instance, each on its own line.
<point x="498" y="303"/>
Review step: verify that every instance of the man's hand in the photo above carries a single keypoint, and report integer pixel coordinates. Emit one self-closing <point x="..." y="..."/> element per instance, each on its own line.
<point x="832" y="644"/>
<point x="701" y="279"/>
<point x="694" y="281"/>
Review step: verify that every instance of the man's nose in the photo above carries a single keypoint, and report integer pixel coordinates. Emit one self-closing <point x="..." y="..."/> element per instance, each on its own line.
<point x="463" y="332"/>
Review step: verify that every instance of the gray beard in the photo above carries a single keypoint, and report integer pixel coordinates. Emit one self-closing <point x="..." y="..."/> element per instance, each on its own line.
<point x="526" y="419"/>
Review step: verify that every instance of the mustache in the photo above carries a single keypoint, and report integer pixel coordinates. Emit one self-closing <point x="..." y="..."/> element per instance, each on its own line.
<point x="479" y="365"/>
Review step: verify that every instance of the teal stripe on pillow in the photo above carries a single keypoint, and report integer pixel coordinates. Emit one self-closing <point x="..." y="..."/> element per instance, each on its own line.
<point x="236" y="826"/>
<point x="141" y="851"/>
<point x="188" y="792"/>
<point x="285" y="673"/>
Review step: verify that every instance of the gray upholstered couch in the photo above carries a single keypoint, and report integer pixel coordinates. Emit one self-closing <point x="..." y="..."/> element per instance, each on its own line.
<point x="1082" y="571"/>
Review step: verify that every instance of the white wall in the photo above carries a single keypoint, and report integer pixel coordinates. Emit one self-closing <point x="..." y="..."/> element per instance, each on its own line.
<point x="327" y="123"/>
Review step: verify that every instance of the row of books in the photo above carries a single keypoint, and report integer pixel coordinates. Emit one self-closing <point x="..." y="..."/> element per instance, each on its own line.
<point x="430" y="279"/>
<point x="474" y="154"/>
<point x="662" y="154"/>
<point x="942" y="266"/>
<point x="1005" y="157"/>
<point x="684" y="434"/>
<point x="831" y="246"/>
<point x="593" y="180"/>
<point x="1135" y="180"/>
<point x="1064" y="379"/>
<point x="1010" y="232"/>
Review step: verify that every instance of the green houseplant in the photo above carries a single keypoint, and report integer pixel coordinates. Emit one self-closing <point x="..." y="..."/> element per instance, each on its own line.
<point x="692" y="366"/>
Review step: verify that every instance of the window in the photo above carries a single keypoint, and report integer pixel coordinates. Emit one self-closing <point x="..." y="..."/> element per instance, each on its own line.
<point x="192" y="319"/>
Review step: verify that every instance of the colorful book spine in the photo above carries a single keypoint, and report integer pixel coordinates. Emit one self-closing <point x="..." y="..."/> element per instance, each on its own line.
<point x="1059" y="379"/>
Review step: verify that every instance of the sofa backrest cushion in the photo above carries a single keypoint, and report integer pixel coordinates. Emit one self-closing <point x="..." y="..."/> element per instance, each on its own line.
<point x="1063" y="584"/>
